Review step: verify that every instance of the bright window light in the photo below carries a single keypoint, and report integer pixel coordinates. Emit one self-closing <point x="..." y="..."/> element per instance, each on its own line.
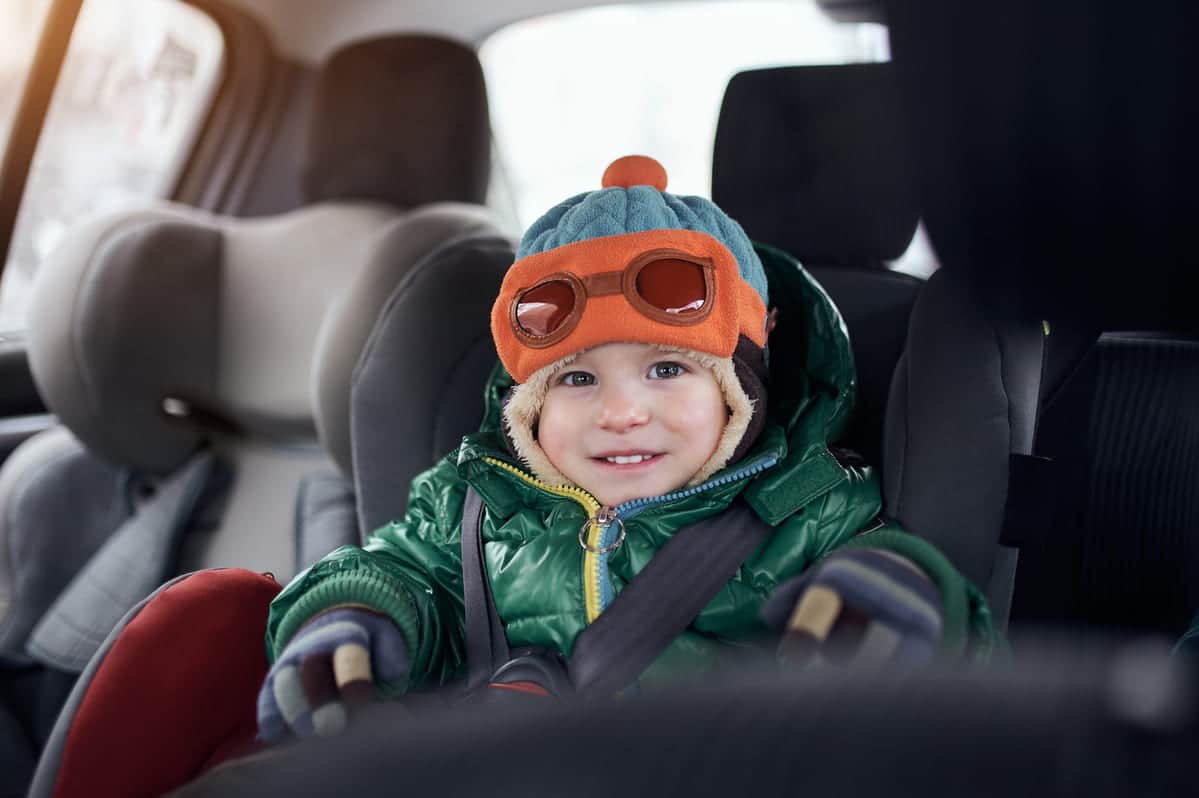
<point x="573" y="91"/>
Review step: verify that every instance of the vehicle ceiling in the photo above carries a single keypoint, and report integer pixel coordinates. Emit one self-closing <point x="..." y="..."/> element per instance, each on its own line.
<point x="325" y="24"/>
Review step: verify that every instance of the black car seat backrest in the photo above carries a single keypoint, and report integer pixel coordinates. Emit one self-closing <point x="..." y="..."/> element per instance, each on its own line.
<point x="176" y="346"/>
<point x="963" y="402"/>
<point x="419" y="344"/>
<point x="1119" y="427"/>
<point x="1054" y="465"/>
<point x="1046" y="193"/>
<point x="814" y="160"/>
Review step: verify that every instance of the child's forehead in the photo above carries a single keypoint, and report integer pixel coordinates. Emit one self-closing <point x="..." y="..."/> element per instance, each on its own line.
<point x="619" y="351"/>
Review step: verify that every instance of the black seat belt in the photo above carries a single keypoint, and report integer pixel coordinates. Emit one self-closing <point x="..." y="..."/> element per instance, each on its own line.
<point x="652" y="610"/>
<point x="486" y="643"/>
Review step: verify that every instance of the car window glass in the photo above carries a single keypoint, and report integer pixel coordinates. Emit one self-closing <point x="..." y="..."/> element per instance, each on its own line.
<point x="138" y="77"/>
<point x="571" y="91"/>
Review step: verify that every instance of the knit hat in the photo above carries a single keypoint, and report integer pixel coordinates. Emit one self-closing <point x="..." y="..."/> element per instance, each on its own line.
<point x="633" y="263"/>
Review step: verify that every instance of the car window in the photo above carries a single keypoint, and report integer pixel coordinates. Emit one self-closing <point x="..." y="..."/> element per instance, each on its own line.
<point x="138" y="77"/>
<point x="571" y="91"/>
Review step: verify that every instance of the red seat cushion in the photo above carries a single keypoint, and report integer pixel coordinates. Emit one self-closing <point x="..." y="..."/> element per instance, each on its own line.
<point x="177" y="691"/>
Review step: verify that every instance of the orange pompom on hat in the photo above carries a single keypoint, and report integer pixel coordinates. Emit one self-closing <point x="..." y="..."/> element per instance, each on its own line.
<point x="633" y="263"/>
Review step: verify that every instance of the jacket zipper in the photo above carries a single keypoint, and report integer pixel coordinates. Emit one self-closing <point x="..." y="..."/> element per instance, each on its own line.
<point x="605" y="524"/>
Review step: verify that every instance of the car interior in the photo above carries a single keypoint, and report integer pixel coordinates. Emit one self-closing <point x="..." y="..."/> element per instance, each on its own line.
<point x="213" y="380"/>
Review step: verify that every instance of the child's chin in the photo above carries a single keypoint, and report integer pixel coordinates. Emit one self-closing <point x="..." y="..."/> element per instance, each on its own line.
<point x="626" y="485"/>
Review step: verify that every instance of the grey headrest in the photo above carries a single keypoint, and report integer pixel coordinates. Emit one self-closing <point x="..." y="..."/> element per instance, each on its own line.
<point x="149" y="328"/>
<point x="400" y="119"/>
<point x="412" y="249"/>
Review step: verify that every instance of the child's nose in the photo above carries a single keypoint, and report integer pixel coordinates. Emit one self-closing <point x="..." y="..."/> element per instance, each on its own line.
<point x="621" y="409"/>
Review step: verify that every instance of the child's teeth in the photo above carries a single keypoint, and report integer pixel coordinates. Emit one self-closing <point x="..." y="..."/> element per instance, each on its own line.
<point x="621" y="459"/>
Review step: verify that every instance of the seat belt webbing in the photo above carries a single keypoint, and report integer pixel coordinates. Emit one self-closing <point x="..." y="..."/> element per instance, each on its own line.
<point x="652" y="610"/>
<point x="663" y="599"/>
<point x="486" y="642"/>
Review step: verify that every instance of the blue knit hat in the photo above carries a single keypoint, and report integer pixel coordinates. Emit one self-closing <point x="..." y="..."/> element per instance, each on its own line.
<point x="638" y="208"/>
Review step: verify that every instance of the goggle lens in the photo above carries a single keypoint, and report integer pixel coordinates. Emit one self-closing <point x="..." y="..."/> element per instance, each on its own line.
<point x="673" y="285"/>
<point x="543" y="308"/>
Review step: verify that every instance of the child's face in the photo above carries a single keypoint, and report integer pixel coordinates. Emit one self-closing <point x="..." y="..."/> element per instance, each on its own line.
<point x="662" y="411"/>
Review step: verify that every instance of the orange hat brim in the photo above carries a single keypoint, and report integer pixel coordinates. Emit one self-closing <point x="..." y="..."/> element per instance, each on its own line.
<point x="737" y="309"/>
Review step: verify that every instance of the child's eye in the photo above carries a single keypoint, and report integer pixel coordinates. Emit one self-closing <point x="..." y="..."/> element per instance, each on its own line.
<point x="666" y="370"/>
<point x="577" y="378"/>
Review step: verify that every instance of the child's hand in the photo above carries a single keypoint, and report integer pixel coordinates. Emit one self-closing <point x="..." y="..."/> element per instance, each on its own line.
<point x="858" y="605"/>
<point x="329" y="666"/>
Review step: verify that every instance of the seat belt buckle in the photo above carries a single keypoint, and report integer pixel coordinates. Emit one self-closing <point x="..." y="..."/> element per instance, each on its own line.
<point x="533" y="670"/>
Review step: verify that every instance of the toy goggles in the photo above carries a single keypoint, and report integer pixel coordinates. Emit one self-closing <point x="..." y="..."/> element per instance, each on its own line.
<point x="672" y="287"/>
<point x="668" y="286"/>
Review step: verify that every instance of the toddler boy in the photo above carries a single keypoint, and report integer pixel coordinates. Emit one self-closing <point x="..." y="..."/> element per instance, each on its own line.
<point x="633" y="402"/>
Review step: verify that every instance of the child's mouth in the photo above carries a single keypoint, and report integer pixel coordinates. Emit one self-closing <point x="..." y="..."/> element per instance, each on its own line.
<point x="628" y="460"/>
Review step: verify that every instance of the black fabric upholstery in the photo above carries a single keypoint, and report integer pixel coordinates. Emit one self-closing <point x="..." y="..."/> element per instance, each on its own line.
<point x="964" y="398"/>
<point x="876" y="305"/>
<point x="1065" y="727"/>
<point x="1056" y="152"/>
<point x="17" y="750"/>
<point x="814" y="160"/>
<point x="30" y="699"/>
<point x="418" y="386"/>
<point x="1124" y="435"/>
<point x="401" y="119"/>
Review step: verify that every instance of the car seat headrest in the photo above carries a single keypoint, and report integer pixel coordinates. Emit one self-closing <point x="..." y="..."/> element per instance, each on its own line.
<point x="417" y="242"/>
<point x="814" y="160"/>
<point x="399" y="119"/>
<point x="151" y="330"/>
<point x="405" y="352"/>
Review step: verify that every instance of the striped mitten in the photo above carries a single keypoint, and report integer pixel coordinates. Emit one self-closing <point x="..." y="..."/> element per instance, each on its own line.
<point x="858" y="605"/>
<point x="329" y="666"/>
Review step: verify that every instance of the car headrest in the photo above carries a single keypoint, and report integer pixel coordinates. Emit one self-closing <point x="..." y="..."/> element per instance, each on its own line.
<point x="417" y="336"/>
<point x="411" y="250"/>
<point x="399" y="119"/>
<point x="151" y="329"/>
<point x="814" y="160"/>
<point x="1057" y="154"/>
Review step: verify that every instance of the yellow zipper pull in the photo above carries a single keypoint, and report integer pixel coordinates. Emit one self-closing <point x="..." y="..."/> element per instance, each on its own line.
<point x="601" y="520"/>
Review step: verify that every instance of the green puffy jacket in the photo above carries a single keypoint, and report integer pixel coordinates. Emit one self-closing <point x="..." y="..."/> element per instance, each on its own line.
<point x="548" y="588"/>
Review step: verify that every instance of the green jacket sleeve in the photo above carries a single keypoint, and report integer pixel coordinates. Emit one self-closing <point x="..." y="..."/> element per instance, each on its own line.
<point x="850" y="517"/>
<point x="968" y="629"/>
<point x="409" y="570"/>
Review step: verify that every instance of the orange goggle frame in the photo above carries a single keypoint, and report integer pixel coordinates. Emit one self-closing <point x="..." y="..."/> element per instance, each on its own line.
<point x="673" y="287"/>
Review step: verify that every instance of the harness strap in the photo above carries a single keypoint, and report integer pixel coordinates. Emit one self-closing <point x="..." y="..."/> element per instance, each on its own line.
<point x="486" y="642"/>
<point x="128" y="567"/>
<point x="651" y="611"/>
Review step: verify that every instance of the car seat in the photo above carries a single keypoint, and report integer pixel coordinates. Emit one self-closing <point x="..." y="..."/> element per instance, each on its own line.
<point x="1045" y="405"/>
<point x="174" y="346"/>
<point x="404" y="405"/>
<point x="814" y="160"/>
